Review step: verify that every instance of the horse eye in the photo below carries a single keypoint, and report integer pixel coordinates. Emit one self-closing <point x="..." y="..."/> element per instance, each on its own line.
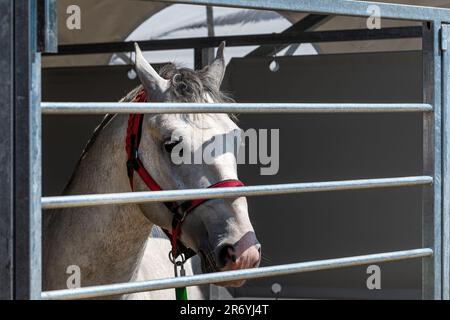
<point x="168" y="146"/>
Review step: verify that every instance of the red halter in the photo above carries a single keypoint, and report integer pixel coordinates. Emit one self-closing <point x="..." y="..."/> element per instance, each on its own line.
<point x="180" y="211"/>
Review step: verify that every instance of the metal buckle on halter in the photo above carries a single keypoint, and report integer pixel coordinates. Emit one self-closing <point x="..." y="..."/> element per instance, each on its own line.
<point x="132" y="163"/>
<point x="178" y="264"/>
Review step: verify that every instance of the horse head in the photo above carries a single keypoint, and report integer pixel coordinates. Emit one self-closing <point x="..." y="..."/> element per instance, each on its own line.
<point x="218" y="230"/>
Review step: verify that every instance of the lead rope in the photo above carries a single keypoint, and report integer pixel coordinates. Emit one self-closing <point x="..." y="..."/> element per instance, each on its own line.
<point x="180" y="293"/>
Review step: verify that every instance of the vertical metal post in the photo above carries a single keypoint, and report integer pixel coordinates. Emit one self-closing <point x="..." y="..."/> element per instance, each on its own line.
<point x="446" y="162"/>
<point x="27" y="164"/>
<point x="6" y="147"/>
<point x="204" y="56"/>
<point x="208" y="53"/>
<point x="198" y="58"/>
<point x="47" y="26"/>
<point x="432" y="161"/>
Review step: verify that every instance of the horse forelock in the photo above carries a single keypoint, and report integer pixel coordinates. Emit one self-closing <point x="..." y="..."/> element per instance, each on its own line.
<point x="192" y="86"/>
<point x="187" y="86"/>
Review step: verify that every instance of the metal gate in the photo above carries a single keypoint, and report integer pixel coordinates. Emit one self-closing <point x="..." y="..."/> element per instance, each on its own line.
<point x="22" y="194"/>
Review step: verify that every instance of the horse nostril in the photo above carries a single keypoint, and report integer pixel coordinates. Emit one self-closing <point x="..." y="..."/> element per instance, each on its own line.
<point x="258" y="247"/>
<point x="225" y="254"/>
<point x="259" y="257"/>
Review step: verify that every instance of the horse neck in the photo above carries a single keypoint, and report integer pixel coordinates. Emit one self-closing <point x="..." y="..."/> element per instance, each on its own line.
<point x="106" y="242"/>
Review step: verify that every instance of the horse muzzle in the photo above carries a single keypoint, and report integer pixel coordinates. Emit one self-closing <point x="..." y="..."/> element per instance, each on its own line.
<point x="231" y="257"/>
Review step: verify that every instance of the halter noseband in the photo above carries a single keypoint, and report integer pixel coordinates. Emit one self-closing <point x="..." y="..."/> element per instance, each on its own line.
<point x="180" y="211"/>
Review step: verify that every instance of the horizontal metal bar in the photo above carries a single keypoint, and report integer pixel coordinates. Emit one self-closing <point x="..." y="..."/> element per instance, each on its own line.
<point x="335" y="7"/>
<point x="133" y="107"/>
<point x="263" y="272"/>
<point x="216" y="193"/>
<point x="243" y="40"/>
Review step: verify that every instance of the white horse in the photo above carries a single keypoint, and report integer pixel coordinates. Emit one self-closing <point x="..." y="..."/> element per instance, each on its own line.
<point x="112" y="244"/>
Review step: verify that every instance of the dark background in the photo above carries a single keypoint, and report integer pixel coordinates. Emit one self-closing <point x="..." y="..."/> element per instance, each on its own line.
<point x="304" y="227"/>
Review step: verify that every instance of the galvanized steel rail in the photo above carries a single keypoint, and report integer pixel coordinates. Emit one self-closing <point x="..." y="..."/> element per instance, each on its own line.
<point x="263" y="272"/>
<point x="191" y="194"/>
<point x="335" y="7"/>
<point x="133" y="107"/>
<point x="243" y="40"/>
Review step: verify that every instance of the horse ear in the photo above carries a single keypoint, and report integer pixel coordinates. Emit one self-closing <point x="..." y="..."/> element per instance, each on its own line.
<point x="216" y="70"/>
<point x="154" y="84"/>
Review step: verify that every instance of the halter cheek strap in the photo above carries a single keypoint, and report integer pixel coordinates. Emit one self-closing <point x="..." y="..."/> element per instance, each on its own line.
<point x="180" y="211"/>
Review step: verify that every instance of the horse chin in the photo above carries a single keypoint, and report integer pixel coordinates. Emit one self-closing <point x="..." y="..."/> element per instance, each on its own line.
<point x="208" y="262"/>
<point x="208" y="265"/>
